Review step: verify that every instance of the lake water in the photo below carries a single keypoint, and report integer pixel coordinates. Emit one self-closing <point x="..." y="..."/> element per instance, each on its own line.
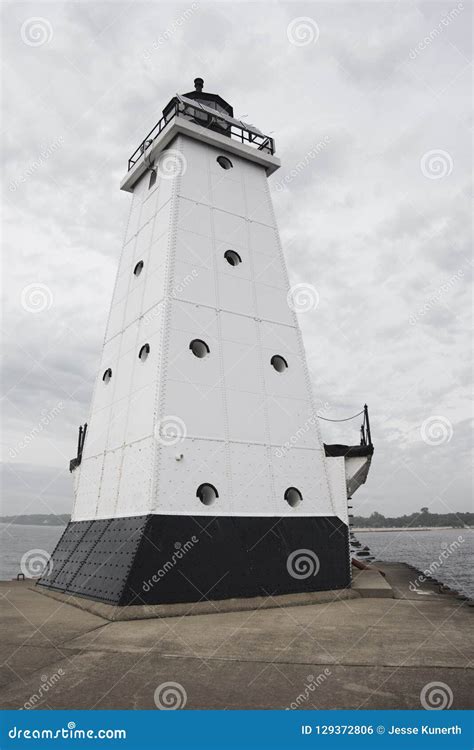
<point x="449" y="552"/>
<point x="419" y="548"/>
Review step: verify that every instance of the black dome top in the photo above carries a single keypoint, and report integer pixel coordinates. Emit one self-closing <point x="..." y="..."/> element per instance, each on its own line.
<point x="205" y="98"/>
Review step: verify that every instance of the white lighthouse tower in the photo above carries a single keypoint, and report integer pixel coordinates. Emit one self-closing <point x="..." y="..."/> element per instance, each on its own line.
<point x="183" y="490"/>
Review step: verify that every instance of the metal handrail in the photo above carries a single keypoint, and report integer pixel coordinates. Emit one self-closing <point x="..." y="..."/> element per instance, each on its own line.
<point x="234" y="129"/>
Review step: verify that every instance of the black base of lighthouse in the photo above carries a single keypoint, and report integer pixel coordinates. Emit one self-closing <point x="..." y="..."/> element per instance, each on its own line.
<point x="164" y="559"/>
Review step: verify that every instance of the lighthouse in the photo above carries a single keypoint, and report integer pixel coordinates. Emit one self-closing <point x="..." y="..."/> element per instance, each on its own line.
<point x="201" y="473"/>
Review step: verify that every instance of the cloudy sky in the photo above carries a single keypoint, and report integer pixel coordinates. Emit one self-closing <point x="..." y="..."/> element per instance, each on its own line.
<point x="369" y="104"/>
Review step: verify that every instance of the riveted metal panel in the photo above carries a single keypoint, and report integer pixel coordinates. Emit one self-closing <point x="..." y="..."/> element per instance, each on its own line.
<point x="241" y="370"/>
<point x="192" y="185"/>
<point x="292" y="421"/>
<point x="194" y="217"/>
<point x="194" y="248"/>
<point x="227" y="194"/>
<point x="238" y="329"/>
<point x="203" y="461"/>
<point x="68" y="543"/>
<point x="122" y="284"/>
<point x="140" y="415"/>
<point x="260" y="208"/>
<point x="143" y="240"/>
<point x="135" y="488"/>
<point x="228" y="227"/>
<point x="154" y="287"/>
<point x="185" y="366"/>
<point x="303" y="469"/>
<point x="161" y="223"/>
<point x="78" y="556"/>
<point x="272" y="304"/>
<point x="116" y="314"/>
<point x="108" y="552"/>
<point x="251" y="478"/>
<point x="150" y="206"/>
<point x="201" y="408"/>
<point x="246" y="413"/>
<point x="337" y="479"/>
<point x="236" y="295"/>
<point x="263" y="238"/>
<point x="243" y="270"/>
<point x="276" y="337"/>
<point x="157" y="257"/>
<point x="89" y="488"/>
<point x="98" y="427"/>
<point x="118" y="423"/>
<point x="194" y="284"/>
<point x="268" y="270"/>
<point x="199" y="321"/>
<point x="165" y="192"/>
<point x="107" y="499"/>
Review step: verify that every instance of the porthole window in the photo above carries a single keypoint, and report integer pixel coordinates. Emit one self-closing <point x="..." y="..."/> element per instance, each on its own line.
<point x="232" y="257"/>
<point x="224" y="162"/>
<point x="138" y="268"/>
<point x="199" y="348"/>
<point x="107" y="375"/>
<point x="152" y="178"/>
<point x="279" y="363"/>
<point x="293" y="497"/>
<point x="207" y="493"/>
<point x="144" y="352"/>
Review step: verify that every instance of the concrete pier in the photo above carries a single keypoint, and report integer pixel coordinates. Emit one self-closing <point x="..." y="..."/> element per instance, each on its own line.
<point x="377" y="649"/>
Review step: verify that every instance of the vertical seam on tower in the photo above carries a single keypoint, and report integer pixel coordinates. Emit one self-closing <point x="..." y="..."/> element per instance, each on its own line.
<point x="302" y="353"/>
<point x="97" y="380"/>
<point x="155" y="195"/>
<point x="165" y="338"/>
<point x="223" y="390"/>
<point x="258" y="320"/>
<point x="122" y="455"/>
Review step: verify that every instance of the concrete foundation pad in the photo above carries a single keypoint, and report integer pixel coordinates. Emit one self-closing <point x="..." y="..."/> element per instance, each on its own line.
<point x="140" y="612"/>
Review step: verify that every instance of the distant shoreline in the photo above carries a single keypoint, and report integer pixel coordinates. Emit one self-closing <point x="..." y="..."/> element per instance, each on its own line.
<point x="411" y="528"/>
<point x="58" y="523"/>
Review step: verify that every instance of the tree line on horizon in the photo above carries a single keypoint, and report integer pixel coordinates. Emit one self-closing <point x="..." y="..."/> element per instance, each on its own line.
<point x="422" y="517"/>
<point x="376" y="520"/>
